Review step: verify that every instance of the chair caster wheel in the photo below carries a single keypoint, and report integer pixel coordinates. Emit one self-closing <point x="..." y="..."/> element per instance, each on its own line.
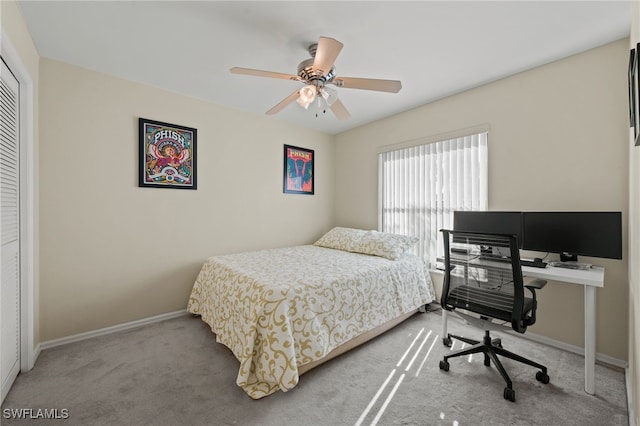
<point x="510" y="394"/>
<point x="444" y="365"/>
<point x="447" y="341"/>
<point x="487" y="361"/>
<point x="542" y="377"/>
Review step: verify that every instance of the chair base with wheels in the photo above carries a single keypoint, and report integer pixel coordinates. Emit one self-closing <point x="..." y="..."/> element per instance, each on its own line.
<point x="491" y="348"/>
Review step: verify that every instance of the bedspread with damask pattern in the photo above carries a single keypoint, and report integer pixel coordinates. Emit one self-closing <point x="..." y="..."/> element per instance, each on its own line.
<point x="279" y="309"/>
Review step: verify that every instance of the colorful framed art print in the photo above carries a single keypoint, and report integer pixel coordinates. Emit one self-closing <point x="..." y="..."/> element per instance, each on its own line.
<point x="167" y="155"/>
<point x="298" y="170"/>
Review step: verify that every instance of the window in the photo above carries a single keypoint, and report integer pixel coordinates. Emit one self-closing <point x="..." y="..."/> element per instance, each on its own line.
<point x="420" y="187"/>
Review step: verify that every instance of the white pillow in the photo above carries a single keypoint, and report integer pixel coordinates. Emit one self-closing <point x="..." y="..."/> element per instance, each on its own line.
<point x="339" y="238"/>
<point x="384" y="244"/>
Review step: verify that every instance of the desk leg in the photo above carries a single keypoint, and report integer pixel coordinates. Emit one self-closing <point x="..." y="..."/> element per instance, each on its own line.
<point x="589" y="338"/>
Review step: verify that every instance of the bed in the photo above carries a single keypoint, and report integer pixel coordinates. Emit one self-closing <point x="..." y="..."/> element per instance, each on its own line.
<point x="284" y="311"/>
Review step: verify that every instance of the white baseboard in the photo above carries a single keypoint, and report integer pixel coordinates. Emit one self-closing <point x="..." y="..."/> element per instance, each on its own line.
<point x="606" y="359"/>
<point x="578" y="350"/>
<point x="108" y="330"/>
<point x="630" y="407"/>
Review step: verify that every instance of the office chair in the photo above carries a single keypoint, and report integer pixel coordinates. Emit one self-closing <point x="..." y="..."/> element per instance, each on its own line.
<point x="483" y="284"/>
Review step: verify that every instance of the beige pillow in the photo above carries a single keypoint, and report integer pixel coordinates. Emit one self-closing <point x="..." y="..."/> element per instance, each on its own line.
<point x="339" y="238"/>
<point x="385" y="244"/>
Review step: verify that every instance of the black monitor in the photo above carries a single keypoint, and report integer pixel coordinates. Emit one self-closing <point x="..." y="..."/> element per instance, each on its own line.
<point x="489" y="222"/>
<point x="572" y="234"/>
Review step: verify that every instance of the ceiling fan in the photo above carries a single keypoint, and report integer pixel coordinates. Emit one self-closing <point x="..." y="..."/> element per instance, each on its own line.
<point x="317" y="72"/>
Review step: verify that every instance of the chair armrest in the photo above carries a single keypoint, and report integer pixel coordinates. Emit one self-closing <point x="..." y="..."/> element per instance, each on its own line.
<point x="532" y="286"/>
<point x="535" y="284"/>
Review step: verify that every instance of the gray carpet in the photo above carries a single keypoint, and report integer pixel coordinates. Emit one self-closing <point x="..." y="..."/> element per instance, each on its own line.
<point x="174" y="373"/>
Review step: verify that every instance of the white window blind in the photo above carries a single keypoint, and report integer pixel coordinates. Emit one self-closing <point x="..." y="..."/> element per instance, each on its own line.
<point x="420" y="188"/>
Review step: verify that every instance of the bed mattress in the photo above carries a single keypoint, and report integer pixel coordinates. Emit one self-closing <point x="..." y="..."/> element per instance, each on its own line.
<point x="280" y="309"/>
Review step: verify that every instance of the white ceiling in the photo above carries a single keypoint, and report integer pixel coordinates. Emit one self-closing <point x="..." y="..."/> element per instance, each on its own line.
<point x="435" y="48"/>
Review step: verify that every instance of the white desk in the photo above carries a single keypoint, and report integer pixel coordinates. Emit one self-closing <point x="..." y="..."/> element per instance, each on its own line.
<point x="590" y="279"/>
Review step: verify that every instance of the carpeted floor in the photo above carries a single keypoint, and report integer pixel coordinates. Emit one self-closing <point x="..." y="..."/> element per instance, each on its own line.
<point x="174" y="373"/>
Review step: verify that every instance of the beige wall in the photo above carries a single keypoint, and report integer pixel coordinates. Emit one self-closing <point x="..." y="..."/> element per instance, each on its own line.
<point x="557" y="141"/>
<point x="112" y="252"/>
<point x="15" y="29"/>
<point x="634" y="251"/>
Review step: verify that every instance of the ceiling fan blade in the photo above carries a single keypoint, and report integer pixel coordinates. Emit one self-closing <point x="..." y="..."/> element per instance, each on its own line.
<point x="283" y="103"/>
<point x="392" y="86"/>
<point x="260" y="73"/>
<point x="326" y="54"/>
<point x="339" y="110"/>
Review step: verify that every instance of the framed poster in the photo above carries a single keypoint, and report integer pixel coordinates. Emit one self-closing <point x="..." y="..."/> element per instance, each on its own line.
<point x="298" y="170"/>
<point x="167" y="155"/>
<point x="636" y="96"/>
<point x="632" y="90"/>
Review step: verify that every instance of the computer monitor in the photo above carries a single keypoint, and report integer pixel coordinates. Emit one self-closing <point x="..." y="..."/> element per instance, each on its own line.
<point x="490" y="222"/>
<point x="572" y="234"/>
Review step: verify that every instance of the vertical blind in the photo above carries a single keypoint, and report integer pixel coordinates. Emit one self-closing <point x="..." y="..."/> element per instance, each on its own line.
<point x="420" y="187"/>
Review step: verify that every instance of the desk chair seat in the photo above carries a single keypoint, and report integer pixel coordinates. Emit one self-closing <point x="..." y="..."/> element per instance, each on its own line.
<point x="489" y="295"/>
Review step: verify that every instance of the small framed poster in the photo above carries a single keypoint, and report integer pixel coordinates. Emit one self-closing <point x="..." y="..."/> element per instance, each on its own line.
<point x="635" y="86"/>
<point x="298" y="170"/>
<point x="167" y="155"/>
<point x="632" y="90"/>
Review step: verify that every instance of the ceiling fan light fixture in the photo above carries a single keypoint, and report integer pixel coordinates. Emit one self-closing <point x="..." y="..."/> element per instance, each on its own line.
<point x="313" y="72"/>
<point x="307" y="95"/>
<point x="329" y="95"/>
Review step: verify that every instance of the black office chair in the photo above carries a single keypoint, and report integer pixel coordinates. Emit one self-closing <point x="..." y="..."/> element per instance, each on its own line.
<point x="483" y="284"/>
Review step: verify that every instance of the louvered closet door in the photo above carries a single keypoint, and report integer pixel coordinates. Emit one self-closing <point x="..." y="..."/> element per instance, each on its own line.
<point x="9" y="230"/>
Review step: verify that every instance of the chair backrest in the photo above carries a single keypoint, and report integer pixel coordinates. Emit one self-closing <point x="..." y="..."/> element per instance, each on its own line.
<point x="483" y="275"/>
